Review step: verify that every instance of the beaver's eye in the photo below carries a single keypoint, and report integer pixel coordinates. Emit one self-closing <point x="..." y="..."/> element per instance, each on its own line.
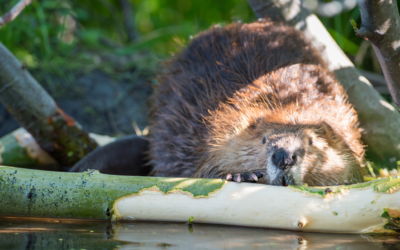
<point x="264" y="140"/>
<point x="252" y="126"/>
<point x="310" y="142"/>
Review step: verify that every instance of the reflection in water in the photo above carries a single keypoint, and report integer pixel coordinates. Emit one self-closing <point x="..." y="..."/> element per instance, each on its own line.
<point x="43" y="233"/>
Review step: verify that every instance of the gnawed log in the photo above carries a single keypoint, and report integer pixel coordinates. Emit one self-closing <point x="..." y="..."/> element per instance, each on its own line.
<point x="371" y="207"/>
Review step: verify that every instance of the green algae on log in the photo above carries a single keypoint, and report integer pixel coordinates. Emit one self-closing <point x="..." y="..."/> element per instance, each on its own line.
<point x="393" y="218"/>
<point x="26" y="192"/>
<point x="355" y="209"/>
<point x="20" y="149"/>
<point x="386" y="185"/>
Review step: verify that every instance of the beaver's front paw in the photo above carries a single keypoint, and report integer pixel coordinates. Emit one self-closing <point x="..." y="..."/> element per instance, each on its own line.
<point x="245" y="177"/>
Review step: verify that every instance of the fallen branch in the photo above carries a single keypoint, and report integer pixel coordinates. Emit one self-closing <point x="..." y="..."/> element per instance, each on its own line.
<point x="35" y="110"/>
<point x="377" y="117"/>
<point x="380" y="26"/>
<point x="361" y="208"/>
<point x="14" y="12"/>
<point x="20" y="149"/>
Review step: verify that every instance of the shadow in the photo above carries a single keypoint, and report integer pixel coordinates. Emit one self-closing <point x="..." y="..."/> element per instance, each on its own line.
<point x="126" y="156"/>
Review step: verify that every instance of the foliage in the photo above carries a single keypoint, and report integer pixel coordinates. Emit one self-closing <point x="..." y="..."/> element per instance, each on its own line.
<point x="49" y="29"/>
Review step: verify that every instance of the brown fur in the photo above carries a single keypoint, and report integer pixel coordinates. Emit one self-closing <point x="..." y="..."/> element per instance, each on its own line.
<point x="238" y="93"/>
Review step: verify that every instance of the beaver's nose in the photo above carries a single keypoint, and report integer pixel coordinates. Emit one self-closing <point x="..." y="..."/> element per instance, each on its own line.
<point x="284" y="159"/>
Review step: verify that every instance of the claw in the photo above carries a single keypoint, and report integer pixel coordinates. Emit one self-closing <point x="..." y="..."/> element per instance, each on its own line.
<point x="244" y="177"/>
<point x="259" y="174"/>
<point x="237" y="178"/>
<point x="249" y="177"/>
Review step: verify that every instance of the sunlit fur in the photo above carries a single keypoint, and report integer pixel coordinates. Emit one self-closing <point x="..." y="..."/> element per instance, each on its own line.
<point x="236" y="85"/>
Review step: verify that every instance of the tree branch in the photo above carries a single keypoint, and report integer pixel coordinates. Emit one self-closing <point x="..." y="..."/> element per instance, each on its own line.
<point x="14" y="12"/>
<point x="36" y="111"/>
<point x="378" y="118"/>
<point x="381" y="26"/>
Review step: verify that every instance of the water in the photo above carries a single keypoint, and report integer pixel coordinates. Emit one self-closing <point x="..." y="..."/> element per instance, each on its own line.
<point x="43" y="233"/>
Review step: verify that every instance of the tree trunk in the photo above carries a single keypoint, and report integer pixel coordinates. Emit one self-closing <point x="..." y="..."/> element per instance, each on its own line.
<point x="380" y="26"/>
<point x="358" y="208"/>
<point x="36" y="111"/>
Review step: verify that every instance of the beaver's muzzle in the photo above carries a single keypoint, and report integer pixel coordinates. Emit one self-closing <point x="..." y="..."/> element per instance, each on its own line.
<point x="284" y="159"/>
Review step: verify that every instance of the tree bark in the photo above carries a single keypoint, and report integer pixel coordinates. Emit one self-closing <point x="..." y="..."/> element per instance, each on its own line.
<point x="360" y="208"/>
<point x="14" y="12"/>
<point x="381" y="26"/>
<point x="36" y="111"/>
<point x="379" y="120"/>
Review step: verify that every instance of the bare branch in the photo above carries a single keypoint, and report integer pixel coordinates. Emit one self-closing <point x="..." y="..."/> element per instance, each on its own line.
<point x="35" y="110"/>
<point x="380" y="26"/>
<point x="377" y="117"/>
<point x="14" y="12"/>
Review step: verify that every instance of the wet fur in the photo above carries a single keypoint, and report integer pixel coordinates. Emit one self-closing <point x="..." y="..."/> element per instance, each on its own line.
<point x="237" y="93"/>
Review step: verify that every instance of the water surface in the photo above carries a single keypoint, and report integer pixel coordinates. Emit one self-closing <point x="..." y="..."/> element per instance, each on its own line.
<point x="44" y="233"/>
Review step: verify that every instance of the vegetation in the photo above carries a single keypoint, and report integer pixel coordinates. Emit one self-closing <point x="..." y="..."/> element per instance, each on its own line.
<point x="50" y="32"/>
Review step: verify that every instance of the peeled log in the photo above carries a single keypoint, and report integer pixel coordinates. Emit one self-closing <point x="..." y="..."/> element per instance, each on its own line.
<point x="372" y="207"/>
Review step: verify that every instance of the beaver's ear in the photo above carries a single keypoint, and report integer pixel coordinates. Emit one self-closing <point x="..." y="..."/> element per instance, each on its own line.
<point x="254" y="123"/>
<point x="326" y="131"/>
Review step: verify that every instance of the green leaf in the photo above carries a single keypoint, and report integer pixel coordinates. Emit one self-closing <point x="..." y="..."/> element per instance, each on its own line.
<point x="354" y="24"/>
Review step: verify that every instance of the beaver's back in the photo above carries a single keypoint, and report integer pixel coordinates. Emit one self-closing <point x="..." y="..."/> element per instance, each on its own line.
<point x="217" y="64"/>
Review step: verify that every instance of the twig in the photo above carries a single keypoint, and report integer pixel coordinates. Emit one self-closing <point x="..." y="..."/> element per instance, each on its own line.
<point x="380" y="26"/>
<point x="14" y="12"/>
<point x="378" y="118"/>
<point x="136" y="128"/>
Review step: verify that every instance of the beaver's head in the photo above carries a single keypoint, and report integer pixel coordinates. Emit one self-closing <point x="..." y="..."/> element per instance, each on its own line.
<point x="298" y="154"/>
<point x="292" y="149"/>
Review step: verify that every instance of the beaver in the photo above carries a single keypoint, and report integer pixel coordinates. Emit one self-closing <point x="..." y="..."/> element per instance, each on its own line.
<point x="252" y="103"/>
